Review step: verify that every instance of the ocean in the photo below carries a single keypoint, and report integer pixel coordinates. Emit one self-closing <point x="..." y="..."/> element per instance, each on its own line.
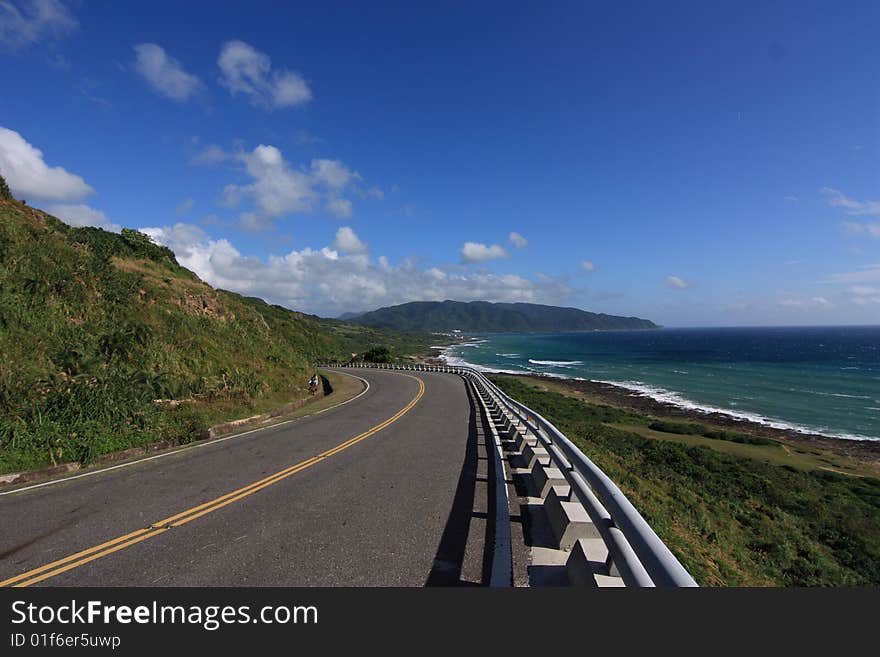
<point x="822" y="380"/>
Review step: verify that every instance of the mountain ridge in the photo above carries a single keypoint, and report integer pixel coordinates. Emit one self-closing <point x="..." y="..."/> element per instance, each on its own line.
<point x="489" y="317"/>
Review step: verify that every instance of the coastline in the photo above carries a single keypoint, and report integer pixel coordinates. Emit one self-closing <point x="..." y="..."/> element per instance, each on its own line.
<point x="863" y="450"/>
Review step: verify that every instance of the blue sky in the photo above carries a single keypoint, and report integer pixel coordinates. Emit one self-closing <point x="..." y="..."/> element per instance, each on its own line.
<point x="691" y="164"/>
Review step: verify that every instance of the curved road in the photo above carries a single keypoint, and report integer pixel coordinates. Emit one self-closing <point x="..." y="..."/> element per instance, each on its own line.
<point x="327" y="510"/>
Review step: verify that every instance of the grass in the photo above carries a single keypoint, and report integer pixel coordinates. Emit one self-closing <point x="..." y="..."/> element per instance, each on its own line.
<point x="95" y="327"/>
<point x="735" y="514"/>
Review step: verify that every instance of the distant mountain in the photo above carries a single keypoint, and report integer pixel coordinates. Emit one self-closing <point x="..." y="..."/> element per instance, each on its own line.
<point x="348" y="316"/>
<point x="493" y="318"/>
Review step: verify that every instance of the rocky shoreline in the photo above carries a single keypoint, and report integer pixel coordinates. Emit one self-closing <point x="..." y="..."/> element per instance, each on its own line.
<point x="865" y="451"/>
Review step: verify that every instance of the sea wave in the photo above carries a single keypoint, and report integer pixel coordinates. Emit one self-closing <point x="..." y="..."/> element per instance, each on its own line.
<point x="560" y="363"/>
<point x="455" y="361"/>
<point x="834" y="394"/>
<point x="674" y="398"/>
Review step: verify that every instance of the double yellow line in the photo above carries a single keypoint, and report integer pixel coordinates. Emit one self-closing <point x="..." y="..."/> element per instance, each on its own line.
<point x="162" y="526"/>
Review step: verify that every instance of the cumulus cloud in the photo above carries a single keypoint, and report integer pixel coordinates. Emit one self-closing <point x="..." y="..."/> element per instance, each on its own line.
<point x="330" y="280"/>
<point x="278" y="188"/>
<point x="24" y="22"/>
<point x="253" y="223"/>
<point x="587" y="265"/>
<point x="333" y="173"/>
<point x="677" y="283"/>
<point x="339" y="207"/>
<point x="248" y="71"/>
<point x="475" y="252"/>
<point x="838" y="199"/>
<point x="29" y="176"/>
<point x="82" y="215"/>
<point x="164" y="73"/>
<point x="231" y="196"/>
<point x="348" y="242"/>
<point x="517" y="240"/>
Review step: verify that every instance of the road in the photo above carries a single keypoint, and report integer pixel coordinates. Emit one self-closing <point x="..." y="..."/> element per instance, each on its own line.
<point x="296" y="505"/>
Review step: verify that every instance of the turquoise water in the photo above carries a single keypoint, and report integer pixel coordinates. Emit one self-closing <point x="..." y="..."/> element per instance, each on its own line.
<point x="816" y="379"/>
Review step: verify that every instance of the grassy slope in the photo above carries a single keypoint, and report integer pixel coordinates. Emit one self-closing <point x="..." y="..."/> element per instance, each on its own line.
<point x="94" y="326"/>
<point x="732" y="519"/>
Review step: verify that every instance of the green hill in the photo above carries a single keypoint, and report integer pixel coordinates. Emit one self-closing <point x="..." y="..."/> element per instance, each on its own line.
<point x="95" y="326"/>
<point x="488" y="317"/>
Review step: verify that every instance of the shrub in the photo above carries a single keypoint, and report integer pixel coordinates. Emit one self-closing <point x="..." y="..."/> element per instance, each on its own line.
<point x="378" y="355"/>
<point x="5" y="194"/>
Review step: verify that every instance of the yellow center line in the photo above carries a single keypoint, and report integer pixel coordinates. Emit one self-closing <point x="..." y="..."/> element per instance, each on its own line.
<point x="160" y="527"/>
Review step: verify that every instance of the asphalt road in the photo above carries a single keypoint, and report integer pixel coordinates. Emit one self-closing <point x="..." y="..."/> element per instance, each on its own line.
<point x="372" y="513"/>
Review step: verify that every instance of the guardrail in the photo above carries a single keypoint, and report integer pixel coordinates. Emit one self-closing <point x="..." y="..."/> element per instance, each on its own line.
<point x="640" y="556"/>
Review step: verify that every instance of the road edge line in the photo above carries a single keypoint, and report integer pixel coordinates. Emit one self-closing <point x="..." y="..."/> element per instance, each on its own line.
<point x="188" y="447"/>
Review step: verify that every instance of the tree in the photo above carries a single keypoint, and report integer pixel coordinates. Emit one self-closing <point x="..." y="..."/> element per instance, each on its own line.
<point x="378" y="355"/>
<point x="5" y="194"/>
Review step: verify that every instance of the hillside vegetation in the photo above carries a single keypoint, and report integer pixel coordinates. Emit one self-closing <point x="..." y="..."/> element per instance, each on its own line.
<point x="95" y="327"/>
<point x="482" y="316"/>
<point x="732" y="520"/>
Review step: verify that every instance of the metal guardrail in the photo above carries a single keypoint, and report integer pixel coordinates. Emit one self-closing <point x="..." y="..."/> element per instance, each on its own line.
<point x="641" y="557"/>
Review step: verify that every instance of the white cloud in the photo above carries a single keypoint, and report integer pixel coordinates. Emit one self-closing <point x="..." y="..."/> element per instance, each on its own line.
<point x="186" y="206"/>
<point x="82" y="215"/>
<point x="330" y="281"/>
<point x="231" y="196"/>
<point x="857" y="229"/>
<point x="837" y="199"/>
<point x="811" y="303"/>
<point x="25" y="22"/>
<point x="677" y="283"/>
<point x="348" y="242"/>
<point x="376" y="193"/>
<point x="180" y="238"/>
<point x="340" y="208"/>
<point x="253" y="223"/>
<point x="517" y="240"/>
<point x="164" y="74"/>
<point x="476" y="252"/>
<point x="211" y="154"/>
<point x="277" y="188"/>
<point x="792" y="199"/>
<point x="248" y="71"/>
<point x="29" y="176"/>
<point x="588" y="265"/>
<point x="866" y="274"/>
<point x="332" y="173"/>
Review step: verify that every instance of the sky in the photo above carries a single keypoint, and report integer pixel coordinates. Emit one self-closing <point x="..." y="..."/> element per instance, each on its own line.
<point x="693" y="164"/>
